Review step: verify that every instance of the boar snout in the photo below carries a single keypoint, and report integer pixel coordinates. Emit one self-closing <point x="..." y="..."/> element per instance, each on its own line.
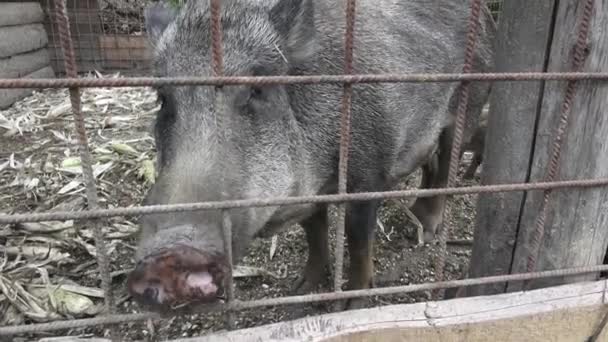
<point x="177" y="275"/>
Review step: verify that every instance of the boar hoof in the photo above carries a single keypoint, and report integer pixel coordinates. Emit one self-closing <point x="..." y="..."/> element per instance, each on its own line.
<point x="304" y="286"/>
<point x="431" y="220"/>
<point x="309" y="281"/>
<point x="177" y="275"/>
<point x="428" y="237"/>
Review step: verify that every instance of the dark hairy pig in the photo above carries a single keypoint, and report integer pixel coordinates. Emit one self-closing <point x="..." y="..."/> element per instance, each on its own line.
<point x="283" y="140"/>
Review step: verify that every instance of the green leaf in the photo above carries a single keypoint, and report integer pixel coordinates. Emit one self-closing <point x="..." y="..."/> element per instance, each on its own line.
<point x="124" y="149"/>
<point x="147" y="171"/>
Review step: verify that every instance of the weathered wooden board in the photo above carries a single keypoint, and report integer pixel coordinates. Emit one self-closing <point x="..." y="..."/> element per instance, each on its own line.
<point x="576" y="232"/>
<point x="19" y="39"/>
<point x="13" y="13"/>
<point x="74" y="4"/>
<point x="565" y="313"/>
<point x="23" y="64"/>
<point x="86" y="50"/>
<point x="523" y="35"/>
<point x="10" y="96"/>
<point x="124" y="51"/>
<point x="73" y="339"/>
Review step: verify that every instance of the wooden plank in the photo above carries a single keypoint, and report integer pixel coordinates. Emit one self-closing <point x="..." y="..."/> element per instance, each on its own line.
<point x="563" y="313"/>
<point x="83" y="4"/>
<point x="123" y="42"/>
<point x="73" y="339"/>
<point x="576" y="231"/>
<point x="521" y="45"/>
<point x="10" y="96"/>
<point x="20" y="65"/>
<point x="124" y="51"/>
<point x="20" y="13"/>
<point x="19" y="39"/>
<point x="557" y="326"/>
<point x="581" y="294"/>
<point x="72" y="5"/>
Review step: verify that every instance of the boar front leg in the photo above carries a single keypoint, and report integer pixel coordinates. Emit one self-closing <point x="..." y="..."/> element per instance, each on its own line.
<point x="317" y="265"/>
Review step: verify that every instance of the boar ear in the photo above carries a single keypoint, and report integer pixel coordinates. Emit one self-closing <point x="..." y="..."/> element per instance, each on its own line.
<point x="294" y="19"/>
<point x="158" y="16"/>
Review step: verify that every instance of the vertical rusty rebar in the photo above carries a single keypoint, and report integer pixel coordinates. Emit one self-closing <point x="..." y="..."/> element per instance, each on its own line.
<point x="344" y="142"/>
<point x="553" y="166"/>
<point x="471" y="40"/>
<point x="218" y="70"/>
<point x="216" y="38"/>
<point x="63" y="27"/>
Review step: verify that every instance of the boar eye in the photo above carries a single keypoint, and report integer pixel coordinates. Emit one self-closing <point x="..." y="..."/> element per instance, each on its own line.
<point x="256" y="93"/>
<point x="167" y="106"/>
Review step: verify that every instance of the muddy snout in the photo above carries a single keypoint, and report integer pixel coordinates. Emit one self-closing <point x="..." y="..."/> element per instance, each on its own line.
<point x="178" y="275"/>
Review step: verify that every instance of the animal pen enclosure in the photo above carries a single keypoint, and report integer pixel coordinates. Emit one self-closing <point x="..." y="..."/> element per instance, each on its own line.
<point x="541" y="209"/>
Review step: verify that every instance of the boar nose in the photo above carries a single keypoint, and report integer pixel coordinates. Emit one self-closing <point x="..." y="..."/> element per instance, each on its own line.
<point x="146" y="291"/>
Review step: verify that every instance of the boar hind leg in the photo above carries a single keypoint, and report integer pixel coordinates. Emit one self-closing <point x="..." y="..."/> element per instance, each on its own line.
<point x="470" y="172"/>
<point x="429" y="210"/>
<point x="316" y="269"/>
<point x="477" y="147"/>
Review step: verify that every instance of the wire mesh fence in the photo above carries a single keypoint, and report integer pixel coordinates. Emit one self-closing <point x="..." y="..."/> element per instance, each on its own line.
<point x="495" y="7"/>
<point x="110" y="35"/>
<point x="66" y="27"/>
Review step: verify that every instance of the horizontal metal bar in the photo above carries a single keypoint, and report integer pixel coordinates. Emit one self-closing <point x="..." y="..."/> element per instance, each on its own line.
<point x="320" y="297"/>
<point x="279" y="201"/>
<point x="267" y="80"/>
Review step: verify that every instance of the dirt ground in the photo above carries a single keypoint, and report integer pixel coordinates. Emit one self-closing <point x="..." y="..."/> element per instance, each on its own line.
<point x="39" y="171"/>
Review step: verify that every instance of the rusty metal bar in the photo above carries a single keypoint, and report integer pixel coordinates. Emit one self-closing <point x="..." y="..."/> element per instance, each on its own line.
<point x="320" y="297"/>
<point x="278" y="201"/>
<point x="463" y="103"/>
<point x="216" y="39"/>
<point x="553" y="166"/>
<point x="345" y="140"/>
<point x="85" y="155"/>
<point x="9" y="83"/>
<point x="217" y="53"/>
